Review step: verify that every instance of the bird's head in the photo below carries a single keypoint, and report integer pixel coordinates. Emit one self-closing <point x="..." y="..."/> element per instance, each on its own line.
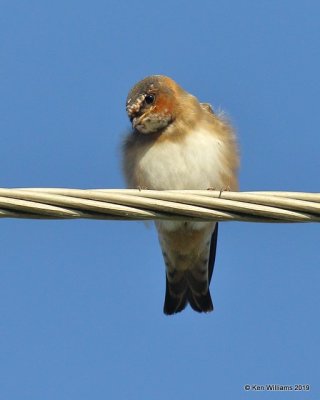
<point x="153" y="104"/>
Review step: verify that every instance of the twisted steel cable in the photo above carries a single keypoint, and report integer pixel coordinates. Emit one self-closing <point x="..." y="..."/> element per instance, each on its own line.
<point x="130" y="204"/>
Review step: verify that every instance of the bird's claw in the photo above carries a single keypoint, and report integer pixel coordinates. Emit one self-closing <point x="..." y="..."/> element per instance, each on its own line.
<point x="140" y="188"/>
<point x="224" y="189"/>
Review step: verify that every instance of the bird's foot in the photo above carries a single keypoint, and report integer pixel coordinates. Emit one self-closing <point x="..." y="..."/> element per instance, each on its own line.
<point x="224" y="189"/>
<point x="142" y="188"/>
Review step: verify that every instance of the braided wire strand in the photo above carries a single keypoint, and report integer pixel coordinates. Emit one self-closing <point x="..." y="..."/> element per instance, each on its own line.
<point x="131" y="204"/>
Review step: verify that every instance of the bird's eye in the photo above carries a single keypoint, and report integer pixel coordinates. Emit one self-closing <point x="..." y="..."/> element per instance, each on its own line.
<point x="149" y="99"/>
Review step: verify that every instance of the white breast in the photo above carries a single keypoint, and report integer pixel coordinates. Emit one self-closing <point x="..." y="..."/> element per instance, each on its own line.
<point x="195" y="163"/>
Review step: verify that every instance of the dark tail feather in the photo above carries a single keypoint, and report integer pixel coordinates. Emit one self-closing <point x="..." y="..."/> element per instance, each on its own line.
<point x="203" y="302"/>
<point x="185" y="287"/>
<point x="175" y="300"/>
<point x="200" y="303"/>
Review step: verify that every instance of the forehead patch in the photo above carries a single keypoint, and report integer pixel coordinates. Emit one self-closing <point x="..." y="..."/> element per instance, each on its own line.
<point x="134" y="107"/>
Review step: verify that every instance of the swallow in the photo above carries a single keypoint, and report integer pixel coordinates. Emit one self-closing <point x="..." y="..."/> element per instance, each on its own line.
<point x="176" y="142"/>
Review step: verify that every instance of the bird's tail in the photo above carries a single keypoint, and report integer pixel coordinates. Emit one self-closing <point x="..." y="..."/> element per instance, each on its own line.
<point x="191" y="286"/>
<point x="184" y="289"/>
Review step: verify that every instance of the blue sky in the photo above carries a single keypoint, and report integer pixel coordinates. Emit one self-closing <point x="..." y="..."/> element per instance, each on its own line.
<point x="81" y="301"/>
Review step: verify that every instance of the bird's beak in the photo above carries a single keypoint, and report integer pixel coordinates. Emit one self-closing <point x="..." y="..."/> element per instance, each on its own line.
<point x="136" y="121"/>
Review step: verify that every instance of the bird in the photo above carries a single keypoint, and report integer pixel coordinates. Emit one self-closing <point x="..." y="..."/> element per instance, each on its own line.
<point x="177" y="142"/>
